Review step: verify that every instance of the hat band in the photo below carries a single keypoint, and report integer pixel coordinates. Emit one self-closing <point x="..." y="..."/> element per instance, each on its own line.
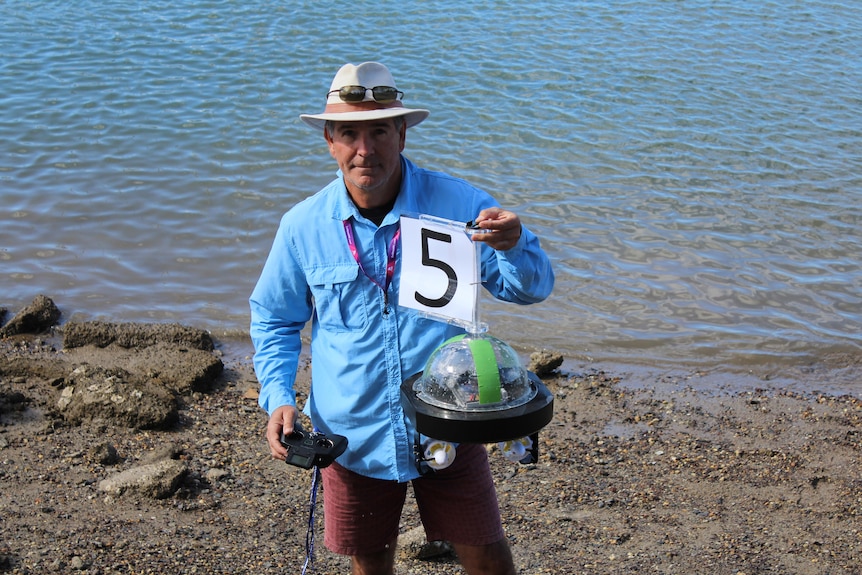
<point x="343" y="108"/>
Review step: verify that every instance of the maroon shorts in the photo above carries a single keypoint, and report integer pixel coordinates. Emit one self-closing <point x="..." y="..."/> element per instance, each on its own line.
<point x="457" y="504"/>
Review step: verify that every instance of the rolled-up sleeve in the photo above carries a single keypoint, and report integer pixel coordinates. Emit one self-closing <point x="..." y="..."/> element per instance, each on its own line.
<point x="522" y="274"/>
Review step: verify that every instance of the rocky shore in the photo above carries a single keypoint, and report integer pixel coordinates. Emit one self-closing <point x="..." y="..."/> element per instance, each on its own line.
<point x="138" y="449"/>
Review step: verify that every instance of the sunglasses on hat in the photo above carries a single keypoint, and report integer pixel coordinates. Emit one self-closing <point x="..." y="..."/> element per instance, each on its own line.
<point x="381" y="94"/>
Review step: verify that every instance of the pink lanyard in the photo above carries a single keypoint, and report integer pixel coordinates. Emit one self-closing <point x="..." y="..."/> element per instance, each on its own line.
<point x="390" y="260"/>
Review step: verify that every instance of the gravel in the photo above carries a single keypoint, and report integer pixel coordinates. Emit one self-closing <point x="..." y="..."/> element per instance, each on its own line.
<point x="629" y="480"/>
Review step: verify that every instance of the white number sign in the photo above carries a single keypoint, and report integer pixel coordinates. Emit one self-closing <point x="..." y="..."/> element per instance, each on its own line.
<point x="439" y="269"/>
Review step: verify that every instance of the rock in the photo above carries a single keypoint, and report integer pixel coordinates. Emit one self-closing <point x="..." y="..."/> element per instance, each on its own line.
<point x="413" y="545"/>
<point x="104" y="454"/>
<point x="12" y="401"/>
<point x="38" y="317"/>
<point x="118" y="374"/>
<point x="215" y="475"/>
<point x="545" y="363"/>
<point x="179" y="370"/>
<point x="117" y="396"/>
<point x="134" y="335"/>
<point x="173" y="356"/>
<point x="165" y="451"/>
<point x="24" y="366"/>
<point x="155" y="480"/>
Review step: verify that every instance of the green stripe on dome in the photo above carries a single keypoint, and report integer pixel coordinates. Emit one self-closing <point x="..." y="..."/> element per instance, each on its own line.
<point x="452" y="339"/>
<point x="487" y="372"/>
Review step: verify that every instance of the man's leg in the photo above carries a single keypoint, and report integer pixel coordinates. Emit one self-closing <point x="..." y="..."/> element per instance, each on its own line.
<point x="459" y="505"/>
<point x="381" y="563"/>
<point x="361" y="518"/>
<point x="493" y="559"/>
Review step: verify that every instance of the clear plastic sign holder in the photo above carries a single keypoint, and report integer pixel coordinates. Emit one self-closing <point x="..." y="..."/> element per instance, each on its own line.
<point x="441" y="270"/>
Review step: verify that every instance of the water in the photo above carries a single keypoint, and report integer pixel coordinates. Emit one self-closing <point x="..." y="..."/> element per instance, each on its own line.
<point x="693" y="168"/>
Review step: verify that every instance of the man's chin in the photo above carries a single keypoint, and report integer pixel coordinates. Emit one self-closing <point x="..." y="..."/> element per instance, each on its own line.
<point x="366" y="184"/>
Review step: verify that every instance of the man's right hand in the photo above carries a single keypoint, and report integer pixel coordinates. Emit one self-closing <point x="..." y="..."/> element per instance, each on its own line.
<point x="281" y="421"/>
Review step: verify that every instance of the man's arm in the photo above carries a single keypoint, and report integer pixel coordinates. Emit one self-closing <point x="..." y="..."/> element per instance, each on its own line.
<point x="280" y="307"/>
<point x="517" y="270"/>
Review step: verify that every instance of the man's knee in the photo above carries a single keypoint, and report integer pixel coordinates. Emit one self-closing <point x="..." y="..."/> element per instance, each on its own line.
<point x="381" y="563"/>
<point x="492" y="559"/>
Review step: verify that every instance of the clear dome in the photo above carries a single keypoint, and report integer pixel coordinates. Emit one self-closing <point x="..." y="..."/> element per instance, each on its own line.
<point x="474" y="372"/>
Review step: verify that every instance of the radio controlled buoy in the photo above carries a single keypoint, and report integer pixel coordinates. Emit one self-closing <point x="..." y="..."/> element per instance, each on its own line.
<point x="474" y="390"/>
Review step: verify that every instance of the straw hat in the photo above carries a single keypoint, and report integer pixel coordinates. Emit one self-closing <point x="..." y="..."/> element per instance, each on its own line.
<point x="361" y="93"/>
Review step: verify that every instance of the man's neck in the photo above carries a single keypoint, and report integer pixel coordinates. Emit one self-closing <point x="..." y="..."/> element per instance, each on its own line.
<point x="377" y="213"/>
<point x="374" y="205"/>
<point x="366" y="200"/>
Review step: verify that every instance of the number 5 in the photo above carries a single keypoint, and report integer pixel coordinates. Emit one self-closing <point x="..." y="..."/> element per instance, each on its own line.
<point x="427" y="260"/>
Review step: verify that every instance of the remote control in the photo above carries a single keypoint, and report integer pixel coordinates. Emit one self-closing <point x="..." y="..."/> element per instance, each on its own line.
<point x="313" y="449"/>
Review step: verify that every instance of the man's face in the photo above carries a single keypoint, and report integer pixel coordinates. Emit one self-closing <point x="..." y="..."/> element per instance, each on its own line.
<point x="369" y="155"/>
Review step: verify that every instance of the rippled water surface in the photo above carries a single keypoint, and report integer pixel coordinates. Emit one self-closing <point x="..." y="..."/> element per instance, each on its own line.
<point x="693" y="168"/>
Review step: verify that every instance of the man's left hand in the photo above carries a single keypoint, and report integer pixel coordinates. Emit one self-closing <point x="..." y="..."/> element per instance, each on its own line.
<point x="504" y="228"/>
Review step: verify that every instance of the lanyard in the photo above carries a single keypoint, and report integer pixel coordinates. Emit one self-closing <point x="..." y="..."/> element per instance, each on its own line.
<point x="309" y="531"/>
<point x="390" y="260"/>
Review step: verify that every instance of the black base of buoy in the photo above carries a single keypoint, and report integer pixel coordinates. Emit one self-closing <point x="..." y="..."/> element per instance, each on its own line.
<point x="480" y="426"/>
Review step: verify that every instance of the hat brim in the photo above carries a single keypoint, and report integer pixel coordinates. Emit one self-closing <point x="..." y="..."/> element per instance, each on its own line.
<point x="412" y="116"/>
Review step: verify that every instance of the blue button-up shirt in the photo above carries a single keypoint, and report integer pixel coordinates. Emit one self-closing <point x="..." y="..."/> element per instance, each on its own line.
<point x="361" y="355"/>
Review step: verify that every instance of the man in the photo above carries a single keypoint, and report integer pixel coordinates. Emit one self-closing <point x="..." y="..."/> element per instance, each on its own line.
<point x="336" y="261"/>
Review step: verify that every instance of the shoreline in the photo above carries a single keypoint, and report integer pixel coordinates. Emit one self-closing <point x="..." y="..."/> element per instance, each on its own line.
<point x="836" y="375"/>
<point x="838" y="372"/>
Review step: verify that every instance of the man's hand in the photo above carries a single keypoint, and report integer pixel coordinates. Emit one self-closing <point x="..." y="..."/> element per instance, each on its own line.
<point x="504" y="227"/>
<point x="281" y="420"/>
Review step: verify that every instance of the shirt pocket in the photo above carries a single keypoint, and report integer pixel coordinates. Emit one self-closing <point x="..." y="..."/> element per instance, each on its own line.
<point x="339" y="299"/>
